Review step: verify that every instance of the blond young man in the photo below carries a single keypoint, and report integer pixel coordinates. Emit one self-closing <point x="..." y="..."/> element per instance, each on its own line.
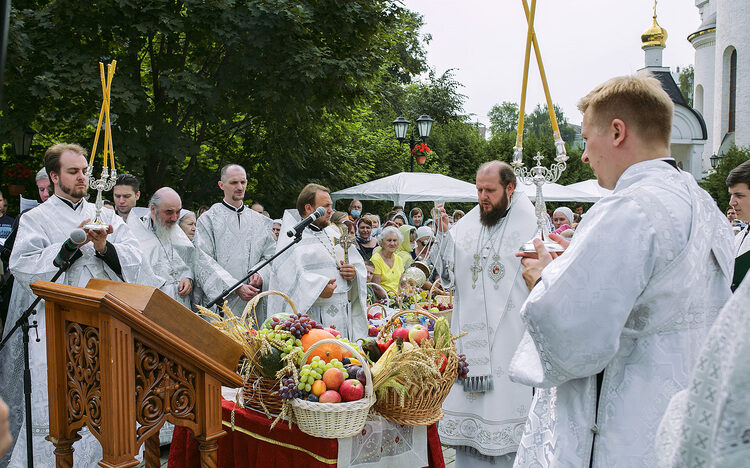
<point x="642" y="281"/>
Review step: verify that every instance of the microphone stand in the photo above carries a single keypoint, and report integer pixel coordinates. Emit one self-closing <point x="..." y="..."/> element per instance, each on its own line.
<point x="220" y="298"/>
<point x="23" y="323"/>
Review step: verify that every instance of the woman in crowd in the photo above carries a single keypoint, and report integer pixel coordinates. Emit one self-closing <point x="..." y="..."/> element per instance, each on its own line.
<point x="376" y="229"/>
<point x="187" y="223"/>
<point x="407" y="246"/>
<point x="416" y="217"/>
<point x="425" y="239"/>
<point x="366" y="242"/>
<point x="562" y="215"/>
<point x="400" y="218"/>
<point x="388" y="265"/>
<point x="458" y="214"/>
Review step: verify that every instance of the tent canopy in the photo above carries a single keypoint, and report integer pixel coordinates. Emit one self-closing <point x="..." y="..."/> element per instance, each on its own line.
<point x="592" y="188"/>
<point x="420" y="186"/>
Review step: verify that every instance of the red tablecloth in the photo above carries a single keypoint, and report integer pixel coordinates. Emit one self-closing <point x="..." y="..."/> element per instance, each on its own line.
<point x="253" y="444"/>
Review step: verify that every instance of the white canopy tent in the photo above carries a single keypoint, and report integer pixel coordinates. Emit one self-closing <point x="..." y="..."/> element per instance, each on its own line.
<point x="420" y="186"/>
<point x="592" y="188"/>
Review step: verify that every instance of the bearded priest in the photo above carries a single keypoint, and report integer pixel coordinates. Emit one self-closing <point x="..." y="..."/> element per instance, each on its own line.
<point x="485" y="415"/>
<point x="174" y="261"/>
<point x="110" y="254"/>
<point x="313" y="273"/>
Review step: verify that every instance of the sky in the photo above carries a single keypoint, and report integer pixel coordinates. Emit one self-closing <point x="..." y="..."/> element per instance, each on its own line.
<point x="582" y="42"/>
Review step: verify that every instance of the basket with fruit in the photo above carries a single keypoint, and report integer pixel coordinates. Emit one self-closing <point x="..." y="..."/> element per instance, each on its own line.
<point x="270" y="352"/>
<point x="440" y="305"/>
<point x="415" y="372"/>
<point x="331" y="394"/>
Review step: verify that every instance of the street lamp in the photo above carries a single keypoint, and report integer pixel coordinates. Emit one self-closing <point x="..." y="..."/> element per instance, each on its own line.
<point x="424" y="127"/>
<point x="22" y="142"/>
<point x="715" y="159"/>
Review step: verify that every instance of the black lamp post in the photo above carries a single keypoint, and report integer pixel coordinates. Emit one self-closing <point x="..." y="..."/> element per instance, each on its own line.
<point x="22" y="143"/>
<point x="715" y="159"/>
<point x="401" y="126"/>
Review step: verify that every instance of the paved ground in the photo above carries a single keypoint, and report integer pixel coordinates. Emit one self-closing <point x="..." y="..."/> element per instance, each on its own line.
<point x="449" y="455"/>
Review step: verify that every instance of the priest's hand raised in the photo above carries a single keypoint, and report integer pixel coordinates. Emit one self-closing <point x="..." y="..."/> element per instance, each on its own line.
<point x="328" y="290"/>
<point x="98" y="237"/>
<point x="246" y="292"/>
<point x="186" y="286"/>
<point x="347" y="271"/>
<point x="534" y="263"/>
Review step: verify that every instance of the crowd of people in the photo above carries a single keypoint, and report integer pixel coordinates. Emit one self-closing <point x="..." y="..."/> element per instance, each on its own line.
<point x="596" y="356"/>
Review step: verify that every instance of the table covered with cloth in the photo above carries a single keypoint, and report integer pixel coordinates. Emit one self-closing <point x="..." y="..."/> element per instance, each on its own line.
<point x="250" y="442"/>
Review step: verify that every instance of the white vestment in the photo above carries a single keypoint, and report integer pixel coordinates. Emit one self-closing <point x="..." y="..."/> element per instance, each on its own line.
<point x="634" y="295"/>
<point x="708" y="424"/>
<point x="177" y="258"/>
<point x="41" y="234"/>
<point x="303" y="271"/>
<point x="238" y="242"/>
<point x="490" y="418"/>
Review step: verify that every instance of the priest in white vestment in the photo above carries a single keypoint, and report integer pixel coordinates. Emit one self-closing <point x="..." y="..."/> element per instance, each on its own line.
<point x="615" y="323"/>
<point x="707" y="425"/>
<point x="237" y="237"/>
<point x="41" y="233"/>
<point x="485" y="414"/>
<point x="313" y="273"/>
<point x="176" y="263"/>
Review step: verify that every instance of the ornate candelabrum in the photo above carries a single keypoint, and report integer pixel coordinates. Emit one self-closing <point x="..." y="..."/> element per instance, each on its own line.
<point x="540" y="175"/>
<point x="107" y="180"/>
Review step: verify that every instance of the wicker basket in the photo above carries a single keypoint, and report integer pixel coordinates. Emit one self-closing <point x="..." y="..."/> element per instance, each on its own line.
<point x="423" y="406"/>
<point x="445" y="299"/>
<point x="334" y="420"/>
<point x="262" y="393"/>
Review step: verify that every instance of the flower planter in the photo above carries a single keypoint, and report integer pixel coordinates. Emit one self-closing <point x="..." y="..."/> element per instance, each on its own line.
<point x="16" y="189"/>
<point x="421" y="159"/>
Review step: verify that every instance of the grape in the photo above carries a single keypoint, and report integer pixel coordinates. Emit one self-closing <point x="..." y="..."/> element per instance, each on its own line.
<point x="463" y="367"/>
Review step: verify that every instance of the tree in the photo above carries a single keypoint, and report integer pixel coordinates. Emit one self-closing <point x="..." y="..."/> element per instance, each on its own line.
<point x="716" y="182"/>
<point x="270" y="85"/>
<point x="503" y="117"/>
<point x="687" y="75"/>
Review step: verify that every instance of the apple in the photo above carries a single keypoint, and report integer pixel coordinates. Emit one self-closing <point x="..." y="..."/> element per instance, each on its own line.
<point x="332" y="331"/>
<point x="434" y="310"/>
<point x="352" y="390"/>
<point x="333" y="378"/>
<point x="318" y="388"/>
<point x="442" y="362"/>
<point x="330" y="396"/>
<point x="377" y="315"/>
<point x="402" y="333"/>
<point x="418" y="334"/>
<point x="372" y="331"/>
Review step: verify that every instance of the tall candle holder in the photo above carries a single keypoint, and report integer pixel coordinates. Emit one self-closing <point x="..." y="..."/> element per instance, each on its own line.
<point x="538" y="176"/>
<point x="107" y="180"/>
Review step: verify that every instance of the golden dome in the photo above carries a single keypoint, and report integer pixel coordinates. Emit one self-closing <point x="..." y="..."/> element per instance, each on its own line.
<point x="655" y="35"/>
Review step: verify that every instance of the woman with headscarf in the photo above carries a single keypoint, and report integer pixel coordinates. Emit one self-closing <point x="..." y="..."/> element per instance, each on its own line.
<point x="366" y="241"/>
<point x="416" y="217"/>
<point x="187" y="222"/>
<point x="400" y="219"/>
<point x="562" y="215"/>
<point x="408" y="245"/>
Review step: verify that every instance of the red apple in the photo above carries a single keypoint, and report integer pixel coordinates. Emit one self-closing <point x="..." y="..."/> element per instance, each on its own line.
<point x="333" y="378"/>
<point x="372" y="331"/>
<point x="332" y="331"/>
<point x="330" y="396"/>
<point x="402" y="333"/>
<point x="352" y="390"/>
<point x="418" y="334"/>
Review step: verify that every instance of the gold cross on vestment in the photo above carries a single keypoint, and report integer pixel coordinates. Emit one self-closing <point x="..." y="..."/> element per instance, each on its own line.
<point x="345" y="242"/>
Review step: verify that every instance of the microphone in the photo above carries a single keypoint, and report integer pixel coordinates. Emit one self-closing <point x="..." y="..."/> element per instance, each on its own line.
<point x="303" y="224"/>
<point x="70" y="247"/>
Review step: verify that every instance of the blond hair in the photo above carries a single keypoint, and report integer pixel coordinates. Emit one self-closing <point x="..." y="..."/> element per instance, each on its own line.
<point x="638" y="100"/>
<point x="53" y="153"/>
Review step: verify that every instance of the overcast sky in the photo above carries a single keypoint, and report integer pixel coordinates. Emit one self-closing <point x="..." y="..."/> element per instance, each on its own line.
<point x="583" y="43"/>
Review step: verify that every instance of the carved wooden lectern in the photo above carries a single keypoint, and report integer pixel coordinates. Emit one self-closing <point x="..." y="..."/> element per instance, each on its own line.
<point x="125" y="358"/>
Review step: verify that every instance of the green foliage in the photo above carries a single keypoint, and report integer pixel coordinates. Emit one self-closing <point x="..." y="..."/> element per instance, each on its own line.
<point x="503" y="117"/>
<point x="687" y="75"/>
<point x="716" y="182"/>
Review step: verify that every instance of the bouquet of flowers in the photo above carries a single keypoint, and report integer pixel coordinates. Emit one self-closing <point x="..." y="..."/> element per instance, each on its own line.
<point x="18" y="174"/>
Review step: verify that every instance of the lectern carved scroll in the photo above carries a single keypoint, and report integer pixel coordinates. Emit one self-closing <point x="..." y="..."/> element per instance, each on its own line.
<point x="123" y="359"/>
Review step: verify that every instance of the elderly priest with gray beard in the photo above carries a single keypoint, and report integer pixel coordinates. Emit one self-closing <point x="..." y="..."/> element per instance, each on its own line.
<point x="171" y="262"/>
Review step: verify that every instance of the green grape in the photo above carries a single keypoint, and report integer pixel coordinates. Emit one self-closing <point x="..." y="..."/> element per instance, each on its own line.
<point x="316" y="375"/>
<point x="338" y="365"/>
<point x="298" y="342"/>
<point x="346" y="375"/>
<point x="301" y="386"/>
<point x="283" y="355"/>
<point x="308" y="387"/>
<point x="316" y="358"/>
<point x="304" y="372"/>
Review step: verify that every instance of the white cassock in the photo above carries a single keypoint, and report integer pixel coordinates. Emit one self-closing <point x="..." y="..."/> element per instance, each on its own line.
<point x="488" y="411"/>
<point x="708" y="424"/>
<point x="177" y="258"/>
<point x="634" y="295"/>
<point x="237" y="241"/>
<point x="303" y="271"/>
<point x="41" y="234"/>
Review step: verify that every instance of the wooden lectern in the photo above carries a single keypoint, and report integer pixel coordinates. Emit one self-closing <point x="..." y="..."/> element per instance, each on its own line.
<point x="120" y="354"/>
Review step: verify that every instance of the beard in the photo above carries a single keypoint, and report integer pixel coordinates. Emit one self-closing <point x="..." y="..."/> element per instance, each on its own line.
<point x="492" y="216"/>
<point x="163" y="231"/>
<point x="322" y="222"/>
<point x="72" y="191"/>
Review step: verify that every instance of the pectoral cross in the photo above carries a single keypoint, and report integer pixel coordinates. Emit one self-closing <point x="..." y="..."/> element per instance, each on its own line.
<point x="475" y="269"/>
